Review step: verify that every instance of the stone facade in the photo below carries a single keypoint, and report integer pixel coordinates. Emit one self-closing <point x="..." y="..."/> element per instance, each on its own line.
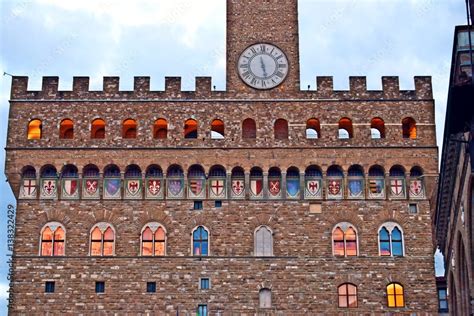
<point x="303" y="274"/>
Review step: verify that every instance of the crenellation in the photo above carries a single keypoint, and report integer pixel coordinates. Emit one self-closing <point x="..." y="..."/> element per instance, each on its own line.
<point x="173" y="86"/>
<point x="49" y="88"/>
<point x="325" y="86"/>
<point x="203" y="86"/>
<point x="391" y="87"/>
<point x="423" y="87"/>
<point x="141" y="86"/>
<point x="19" y="87"/>
<point x="80" y="86"/>
<point x="358" y="86"/>
<point x="111" y="86"/>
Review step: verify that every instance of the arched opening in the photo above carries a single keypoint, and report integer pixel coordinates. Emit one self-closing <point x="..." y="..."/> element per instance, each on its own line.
<point x="52" y="240"/>
<point x="98" y="129"/>
<point x="274" y="182"/>
<point x="344" y="237"/>
<point x="217" y="182"/>
<point x="191" y="129"/>
<point x="281" y="129"/>
<point x="377" y="128"/>
<point x="355" y="181"/>
<point x="395" y="295"/>
<point x="347" y="295"/>
<point x="265" y="298"/>
<point x="376" y="182"/>
<point x="35" y="128"/>
<point x="409" y="128"/>
<point x="256" y="182"/>
<point x="201" y="241"/>
<point x="313" y="129"/>
<point x="217" y="129"/>
<point x="133" y="171"/>
<point x="66" y="129"/>
<point x="238" y="182"/>
<point x="345" y="128"/>
<point x="160" y="129"/>
<point x="263" y="242"/>
<point x="292" y="182"/>
<point x="102" y="242"/>
<point x="249" y="129"/>
<point x="196" y="181"/>
<point x="335" y="178"/>
<point x="129" y="129"/>
<point x="153" y="240"/>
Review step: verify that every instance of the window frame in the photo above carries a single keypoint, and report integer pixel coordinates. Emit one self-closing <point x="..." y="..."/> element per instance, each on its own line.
<point x="58" y="225"/>
<point x="102" y="226"/>
<point x="395" y="295"/>
<point x="255" y="241"/>
<point x="201" y="241"/>
<point x="208" y="283"/>
<point x="156" y="226"/>
<point x="261" y="298"/>
<point x="347" y="295"/>
<point x="345" y="226"/>
<point x="390" y="226"/>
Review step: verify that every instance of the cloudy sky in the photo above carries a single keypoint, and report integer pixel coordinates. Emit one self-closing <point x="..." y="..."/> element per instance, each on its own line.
<point x="186" y="38"/>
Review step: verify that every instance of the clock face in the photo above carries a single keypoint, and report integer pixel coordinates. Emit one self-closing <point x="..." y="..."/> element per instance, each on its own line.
<point x="263" y="66"/>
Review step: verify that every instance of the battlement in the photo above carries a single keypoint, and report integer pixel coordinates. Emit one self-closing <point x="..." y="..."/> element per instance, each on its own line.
<point x="203" y="90"/>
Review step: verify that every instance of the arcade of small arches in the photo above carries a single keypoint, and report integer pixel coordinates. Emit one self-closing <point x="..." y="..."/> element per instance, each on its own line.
<point x="219" y="184"/>
<point x="217" y="128"/>
<point x="154" y="240"/>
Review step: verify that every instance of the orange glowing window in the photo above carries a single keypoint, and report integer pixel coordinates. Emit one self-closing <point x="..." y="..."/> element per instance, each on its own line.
<point x="280" y="129"/>
<point x="409" y="128"/>
<point x="249" y="129"/>
<point x="217" y="129"/>
<point x="52" y="241"/>
<point x="66" y="129"/>
<point x="338" y="240"/>
<point x="129" y="129"/>
<point x="345" y="129"/>
<point x="191" y="129"/>
<point x="98" y="129"/>
<point x="395" y="295"/>
<point x="344" y="241"/>
<point x="34" y="129"/>
<point x="102" y="244"/>
<point x="377" y="128"/>
<point x="153" y="242"/>
<point x="160" y="129"/>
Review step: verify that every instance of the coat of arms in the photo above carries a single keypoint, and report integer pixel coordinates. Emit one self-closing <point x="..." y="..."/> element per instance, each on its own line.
<point x="334" y="187"/>
<point x="416" y="188"/>
<point x="256" y="186"/>
<point x="313" y="187"/>
<point x="175" y="187"/>
<point x="70" y="187"/>
<point x="49" y="187"/>
<point x="238" y="187"/>
<point x="154" y="187"/>
<point x="274" y="187"/>
<point x="293" y="186"/>
<point x="29" y="188"/>
<point x="396" y="187"/>
<point x="133" y="187"/>
<point x="217" y="187"/>
<point x="91" y="186"/>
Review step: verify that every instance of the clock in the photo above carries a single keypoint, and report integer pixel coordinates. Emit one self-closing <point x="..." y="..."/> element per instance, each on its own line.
<point x="263" y="66"/>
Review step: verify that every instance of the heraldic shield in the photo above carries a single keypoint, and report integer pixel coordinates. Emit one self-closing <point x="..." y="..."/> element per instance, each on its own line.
<point x="154" y="189"/>
<point x="397" y="188"/>
<point x="292" y="187"/>
<point x="112" y="188"/>
<point x="334" y="188"/>
<point x="356" y="188"/>
<point x="133" y="188"/>
<point x="175" y="188"/>
<point x="90" y="189"/>
<point x="274" y="187"/>
<point x="416" y="189"/>
<point x="376" y="188"/>
<point x="217" y="188"/>
<point x="256" y="187"/>
<point x="28" y="189"/>
<point x="49" y="189"/>
<point x="313" y="189"/>
<point x="196" y="188"/>
<point x="238" y="188"/>
<point x="70" y="189"/>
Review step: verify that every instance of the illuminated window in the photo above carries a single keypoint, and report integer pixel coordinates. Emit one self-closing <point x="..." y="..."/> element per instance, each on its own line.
<point x="160" y="129"/>
<point x="377" y="128"/>
<point x="200" y="241"/>
<point x="395" y="296"/>
<point x="347" y="295"/>
<point x="129" y="129"/>
<point x="217" y="129"/>
<point x="265" y="298"/>
<point x="153" y="240"/>
<point x="98" y="129"/>
<point x="53" y="240"/>
<point x="263" y="242"/>
<point x="344" y="240"/>
<point x="34" y="129"/>
<point x="191" y="129"/>
<point x="280" y="129"/>
<point x="313" y="129"/>
<point x="66" y="129"/>
<point x="391" y="240"/>
<point x="345" y="129"/>
<point x="409" y="128"/>
<point x="102" y="240"/>
<point x="249" y="129"/>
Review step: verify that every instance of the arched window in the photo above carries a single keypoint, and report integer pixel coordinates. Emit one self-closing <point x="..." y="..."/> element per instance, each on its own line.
<point x="355" y="182"/>
<point x="53" y="238"/>
<point x="129" y="129"/>
<point x="274" y="182"/>
<point x="48" y="185"/>
<point x="102" y="240"/>
<point x="391" y="240"/>
<point x="335" y="178"/>
<point x="98" y="129"/>
<point x="35" y="128"/>
<point x="313" y="129"/>
<point x="160" y="129"/>
<point x="66" y="129"/>
<point x="280" y="129"/>
<point x="112" y="182"/>
<point x="256" y="182"/>
<point x="28" y="188"/>
<point x="238" y="183"/>
<point x="191" y="129"/>
<point x="347" y="295"/>
<point x="249" y="129"/>
<point x="376" y="182"/>
<point x="417" y="188"/>
<point x="377" y="128"/>
<point x="175" y="181"/>
<point x="217" y="129"/>
<point x="344" y="238"/>
<point x="154" y="182"/>
<point x="397" y="182"/>
<point x="196" y="182"/>
<point x="133" y="182"/>
<point x="313" y="182"/>
<point x="217" y="182"/>
<point x="200" y="241"/>
<point x="265" y="298"/>
<point x="90" y="171"/>
<point x="90" y="182"/>
<point x="395" y="295"/>
<point x="409" y="128"/>
<point x="153" y="240"/>
<point x="70" y="182"/>
<point x="345" y="128"/>
<point x="263" y="242"/>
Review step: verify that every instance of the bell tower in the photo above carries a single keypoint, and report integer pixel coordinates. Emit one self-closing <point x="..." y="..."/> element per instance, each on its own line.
<point x="252" y="66"/>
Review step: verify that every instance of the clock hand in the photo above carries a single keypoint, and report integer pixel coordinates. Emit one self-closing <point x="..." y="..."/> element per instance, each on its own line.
<point x="263" y="67"/>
